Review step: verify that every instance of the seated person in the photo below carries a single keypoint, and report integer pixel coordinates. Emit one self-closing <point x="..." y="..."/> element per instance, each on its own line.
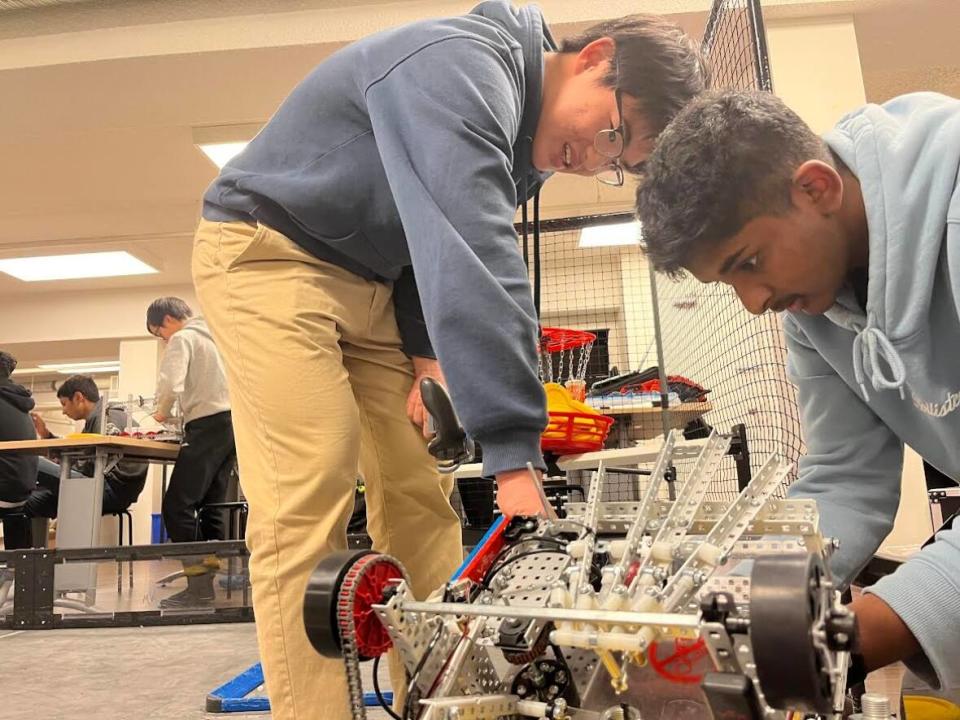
<point x="18" y="472"/>
<point x="80" y="400"/>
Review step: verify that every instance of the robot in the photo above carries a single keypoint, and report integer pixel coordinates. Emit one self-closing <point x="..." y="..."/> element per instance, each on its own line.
<point x="656" y="609"/>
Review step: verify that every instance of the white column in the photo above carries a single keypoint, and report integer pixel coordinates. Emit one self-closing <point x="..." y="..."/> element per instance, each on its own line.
<point x="139" y="361"/>
<point x="815" y="65"/>
<point x="637" y="311"/>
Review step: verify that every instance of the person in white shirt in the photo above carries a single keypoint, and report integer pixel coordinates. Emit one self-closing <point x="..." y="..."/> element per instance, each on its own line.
<point x="191" y="371"/>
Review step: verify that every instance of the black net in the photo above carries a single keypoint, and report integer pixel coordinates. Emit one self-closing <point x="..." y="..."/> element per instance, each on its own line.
<point x="707" y="335"/>
<point x="735" y="43"/>
<point x="727" y="367"/>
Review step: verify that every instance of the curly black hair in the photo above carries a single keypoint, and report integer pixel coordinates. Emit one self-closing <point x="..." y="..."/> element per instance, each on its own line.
<point x="725" y="159"/>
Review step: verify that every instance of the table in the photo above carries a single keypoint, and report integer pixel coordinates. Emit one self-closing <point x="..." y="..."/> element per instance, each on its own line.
<point x="643" y="422"/>
<point x="81" y="499"/>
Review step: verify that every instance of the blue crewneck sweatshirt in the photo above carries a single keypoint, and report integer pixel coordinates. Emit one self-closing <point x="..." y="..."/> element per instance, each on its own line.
<point x="402" y="158"/>
<point x="872" y="379"/>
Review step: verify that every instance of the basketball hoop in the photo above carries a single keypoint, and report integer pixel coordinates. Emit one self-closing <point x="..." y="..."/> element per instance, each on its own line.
<point x="572" y="426"/>
<point x="564" y="355"/>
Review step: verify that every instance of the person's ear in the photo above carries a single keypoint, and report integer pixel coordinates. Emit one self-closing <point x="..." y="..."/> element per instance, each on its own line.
<point x="818" y="185"/>
<point x="596" y="56"/>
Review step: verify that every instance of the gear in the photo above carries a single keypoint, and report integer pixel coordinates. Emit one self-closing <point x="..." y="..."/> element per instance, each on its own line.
<point x="338" y="612"/>
<point x="363" y="587"/>
<point x="523" y="657"/>
<point x="545" y="680"/>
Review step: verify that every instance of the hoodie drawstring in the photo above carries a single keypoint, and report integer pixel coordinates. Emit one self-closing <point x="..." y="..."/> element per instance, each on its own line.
<point x="869" y="346"/>
<point x="536" y="253"/>
<point x="524" y="189"/>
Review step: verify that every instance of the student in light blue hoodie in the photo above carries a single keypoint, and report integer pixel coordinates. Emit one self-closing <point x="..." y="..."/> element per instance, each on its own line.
<point x="856" y="239"/>
<point x="365" y="233"/>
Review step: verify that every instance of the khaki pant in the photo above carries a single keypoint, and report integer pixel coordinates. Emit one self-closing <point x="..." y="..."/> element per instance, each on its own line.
<point x="318" y="387"/>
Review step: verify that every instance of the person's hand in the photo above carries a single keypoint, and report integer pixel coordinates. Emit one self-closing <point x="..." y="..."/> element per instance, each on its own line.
<point x="422" y="367"/>
<point x="40" y="426"/>
<point x="518" y="493"/>
<point x="883" y="637"/>
<point x="159" y="417"/>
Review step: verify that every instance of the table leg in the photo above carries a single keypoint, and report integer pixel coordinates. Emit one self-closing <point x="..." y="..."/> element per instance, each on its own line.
<point x="78" y="525"/>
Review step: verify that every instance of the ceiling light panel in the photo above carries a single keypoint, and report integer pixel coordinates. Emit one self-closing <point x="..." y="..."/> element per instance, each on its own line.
<point x="222" y="153"/>
<point x="75" y="267"/>
<point x="608" y="235"/>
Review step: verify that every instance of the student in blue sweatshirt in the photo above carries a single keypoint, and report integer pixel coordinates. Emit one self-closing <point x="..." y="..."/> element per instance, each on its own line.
<point x="366" y="232"/>
<point x="856" y="239"/>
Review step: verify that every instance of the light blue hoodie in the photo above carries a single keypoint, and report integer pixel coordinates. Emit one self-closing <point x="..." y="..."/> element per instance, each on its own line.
<point x="873" y="379"/>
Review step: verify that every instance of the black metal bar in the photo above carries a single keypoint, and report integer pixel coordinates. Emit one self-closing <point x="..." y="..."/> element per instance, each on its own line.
<point x="23" y="579"/>
<point x="661" y="367"/>
<point x="138" y="618"/>
<point x="43" y="589"/>
<point x="629" y="471"/>
<point x="709" y="34"/>
<point x="580" y="221"/>
<point x="670" y="476"/>
<point x="536" y="254"/>
<point x="34" y="576"/>
<point x="761" y="59"/>
<point x="740" y="450"/>
<point x="222" y="548"/>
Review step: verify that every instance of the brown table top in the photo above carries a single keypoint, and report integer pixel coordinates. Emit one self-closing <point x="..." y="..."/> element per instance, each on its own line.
<point x="689" y="408"/>
<point x="130" y="447"/>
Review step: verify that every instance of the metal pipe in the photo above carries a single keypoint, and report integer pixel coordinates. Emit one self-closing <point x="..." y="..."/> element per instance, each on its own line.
<point x="675" y="620"/>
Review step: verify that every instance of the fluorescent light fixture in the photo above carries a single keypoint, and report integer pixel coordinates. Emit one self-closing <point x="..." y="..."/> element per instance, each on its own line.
<point x="74" y="267"/>
<point x="221" y="143"/>
<point x="82" y="368"/>
<point x="607" y="235"/>
<point x="222" y="153"/>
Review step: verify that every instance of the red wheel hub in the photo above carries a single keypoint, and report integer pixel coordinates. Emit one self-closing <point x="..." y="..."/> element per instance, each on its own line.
<point x="366" y="581"/>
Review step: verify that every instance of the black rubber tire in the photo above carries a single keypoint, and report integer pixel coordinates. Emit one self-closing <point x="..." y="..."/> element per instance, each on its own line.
<point x="320" y="601"/>
<point x="784" y="604"/>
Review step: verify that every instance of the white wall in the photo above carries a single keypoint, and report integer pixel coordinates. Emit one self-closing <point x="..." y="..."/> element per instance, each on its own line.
<point x="117" y="313"/>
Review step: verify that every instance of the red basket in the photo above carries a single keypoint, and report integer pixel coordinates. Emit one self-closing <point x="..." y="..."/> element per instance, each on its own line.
<point x="557" y="339"/>
<point x="574" y="432"/>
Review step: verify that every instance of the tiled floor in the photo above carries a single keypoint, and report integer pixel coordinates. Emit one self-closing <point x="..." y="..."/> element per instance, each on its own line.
<point x="162" y="673"/>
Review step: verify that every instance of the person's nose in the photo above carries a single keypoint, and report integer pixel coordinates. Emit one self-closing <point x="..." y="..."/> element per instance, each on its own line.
<point x="755" y="296"/>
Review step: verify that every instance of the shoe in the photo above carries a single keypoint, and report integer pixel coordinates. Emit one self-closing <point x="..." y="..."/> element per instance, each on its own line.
<point x="237" y="581"/>
<point x="199" y="594"/>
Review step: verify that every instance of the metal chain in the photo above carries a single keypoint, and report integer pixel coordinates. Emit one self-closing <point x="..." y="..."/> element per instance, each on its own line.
<point x="584" y="359"/>
<point x="348" y="634"/>
<point x="351" y="656"/>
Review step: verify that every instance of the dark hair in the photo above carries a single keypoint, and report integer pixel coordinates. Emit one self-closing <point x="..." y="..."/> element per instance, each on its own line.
<point x="660" y="66"/>
<point x="8" y="364"/>
<point x="82" y="384"/>
<point x="727" y="158"/>
<point x="161" y="307"/>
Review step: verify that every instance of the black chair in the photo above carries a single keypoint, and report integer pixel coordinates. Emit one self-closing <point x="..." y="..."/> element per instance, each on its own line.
<point x="236" y="518"/>
<point x="17" y="527"/>
<point x="120" y="515"/>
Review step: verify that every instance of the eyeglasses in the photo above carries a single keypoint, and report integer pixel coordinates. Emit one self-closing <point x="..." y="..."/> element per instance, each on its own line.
<point x="610" y="143"/>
